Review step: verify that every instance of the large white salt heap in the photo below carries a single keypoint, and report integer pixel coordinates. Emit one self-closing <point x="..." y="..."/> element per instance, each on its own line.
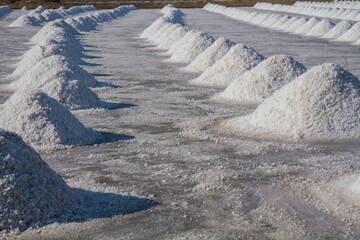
<point x="235" y="62"/>
<point x="63" y="80"/>
<point x="190" y="46"/>
<point x="42" y="122"/>
<point x="25" y="21"/>
<point x="31" y="193"/>
<point x="208" y="57"/>
<point x="257" y="84"/>
<point x="320" y="105"/>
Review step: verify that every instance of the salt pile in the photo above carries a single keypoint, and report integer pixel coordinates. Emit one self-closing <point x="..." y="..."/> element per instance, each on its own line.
<point x="31" y="192"/>
<point x="257" y="84"/>
<point x="208" y="57"/>
<point x="352" y="35"/>
<point x="24" y="21"/>
<point x="338" y="30"/>
<point x="52" y="66"/>
<point x="190" y="46"/>
<point x="307" y="26"/>
<point x="281" y="22"/>
<point x="320" y="29"/>
<point x="320" y="105"/>
<point x="296" y="25"/>
<point x="287" y="24"/>
<point x="42" y="122"/>
<point x="39" y="52"/>
<point x="60" y="23"/>
<point x="171" y="36"/>
<point x="4" y="10"/>
<point x="235" y="62"/>
<point x="61" y="80"/>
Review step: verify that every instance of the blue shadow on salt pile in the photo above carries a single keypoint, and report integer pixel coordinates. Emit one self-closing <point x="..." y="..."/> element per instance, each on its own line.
<point x="105" y="205"/>
<point x="105" y="84"/>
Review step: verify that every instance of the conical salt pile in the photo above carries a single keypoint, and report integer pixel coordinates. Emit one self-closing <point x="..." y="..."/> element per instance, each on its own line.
<point x="42" y="122"/>
<point x="31" y="192"/>
<point x="307" y="26"/>
<point x="190" y="46"/>
<point x="339" y="29"/>
<point x="235" y="62"/>
<point x="320" y="29"/>
<point x="352" y="35"/>
<point x="257" y="84"/>
<point x="208" y="57"/>
<point x="174" y="34"/>
<point x="320" y="105"/>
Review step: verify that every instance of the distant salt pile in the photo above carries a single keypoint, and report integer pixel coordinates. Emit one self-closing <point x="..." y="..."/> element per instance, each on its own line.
<point x="171" y="36"/>
<point x="287" y="24"/>
<point x="171" y="15"/>
<point x="338" y="30"/>
<point x="24" y="21"/>
<point x="320" y="29"/>
<point x="257" y="84"/>
<point x="190" y="46"/>
<point x="352" y="35"/>
<point x="31" y="192"/>
<point x="235" y="62"/>
<point x="320" y="105"/>
<point x="307" y="26"/>
<point x="281" y="22"/>
<point x="24" y="8"/>
<point x="43" y="122"/>
<point x="40" y="15"/>
<point x="208" y="57"/>
<point x="61" y="80"/>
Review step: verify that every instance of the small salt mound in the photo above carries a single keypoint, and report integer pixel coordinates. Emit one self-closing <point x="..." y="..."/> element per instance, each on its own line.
<point x="24" y="8"/>
<point x="167" y="8"/>
<point x="271" y="20"/>
<point x="320" y="105"/>
<point x="280" y="22"/>
<point x="42" y="122"/>
<point x="170" y="37"/>
<point x="208" y="57"/>
<point x="307" y="26"/>
<point x="257" y="84"/>
<point x="55" y="64"/>
<point x="296" y="25"/>
<point x="38" y="52"/>
<point x="85" y="23"/>
<point x="58" y="23"/>
<point x="174" y="16"/>
<point x="235" y="62"/>
<point x="338" y="30"/>
<point x="25" y="21"/>
<point x="352" y="35"/>
<point x="286" y="25"/>
<point x="190" y="46"/>
<point x="31" y="192"/>
<point x="50" y="15"/>
<point x="320" y="29"/>
<point x="55" y="77"/>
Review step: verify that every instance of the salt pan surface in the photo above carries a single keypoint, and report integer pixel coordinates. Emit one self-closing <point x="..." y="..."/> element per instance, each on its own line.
<point x="235" y="62"/>
<point x="31" y="192"/>
<point x="257" y="84"/>
<point x="320" y="105"/>
<point x="208" y="57"/>
<point x="42" y="122"/>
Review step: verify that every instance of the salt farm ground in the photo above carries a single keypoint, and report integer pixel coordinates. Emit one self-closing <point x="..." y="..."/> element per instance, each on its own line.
<point x="208" y="185"/>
